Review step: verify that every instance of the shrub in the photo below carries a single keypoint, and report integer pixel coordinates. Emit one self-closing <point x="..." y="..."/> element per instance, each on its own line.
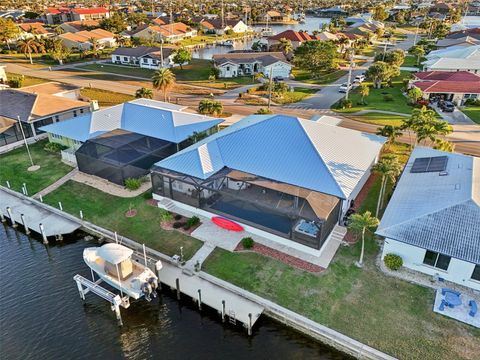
<point x="345" y="104"/>
<point x="263" y="111"/>
<point x="15" y="82"/>
<point x="472" y="102"/>
<point x="193" y="221"/>
<point x="393" y="262"/>
<point x="388" y="97"/>
<point x="54" y="147"/>
<point x="247" y="242"/>
<point x="132" y="183"/>
<point x="165" y="215"/>
<point x="178" y="217"/>
<point x="178" y="224"/>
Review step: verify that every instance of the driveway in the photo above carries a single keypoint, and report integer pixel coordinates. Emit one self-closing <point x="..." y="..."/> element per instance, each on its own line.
<point x="454" y="118"/>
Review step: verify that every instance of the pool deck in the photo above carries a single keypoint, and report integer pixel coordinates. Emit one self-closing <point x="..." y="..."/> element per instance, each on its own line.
<point x="460" y="312"/>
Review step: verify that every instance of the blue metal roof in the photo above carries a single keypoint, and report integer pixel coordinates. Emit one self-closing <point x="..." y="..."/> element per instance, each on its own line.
<point x="315" y="156"/>
<point x="142" y="118"/>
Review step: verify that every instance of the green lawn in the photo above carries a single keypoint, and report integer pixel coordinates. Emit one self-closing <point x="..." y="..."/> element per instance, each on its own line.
<point x="109" y="211"/>
<point x="473" y="112"/>
<point x="389" y="314"/>
<point x="104" y="97"/>
<point x="120" y="69"/>
<point x="379" y="119"/>
<point x="376" y="99"/>
<point x="14" y="164"/>
<point x="27" y="80"/>
<point x="320" y="78"/>
<point x="295" y="96"/>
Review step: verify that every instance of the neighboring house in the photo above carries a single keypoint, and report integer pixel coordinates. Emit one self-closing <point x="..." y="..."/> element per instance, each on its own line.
<point x="215" y="26"/>
<point x="249" y="63"/>
<point x="82" y="39"/>
<point x="273" y="16"/>
<point x="297" y="38"/>
<point x="125" y="140"/>
<point x="455" y="52"/>
<point x="36" y="106"/>
<point x="279" y="176"/>
<point x="80" y="25"/>
<point x="335" y="11"/>
<point x="144" y="56"/>
<point x="432" y="219"/>
<point x="460" y="41"/>
<point x="170" y="33"/>
<point x="33" y="29"/>
<point x="452" y="64"/>
<point x="473" y="32"/>
<point x="12" y="14"/>
<point x="65" y="14"/>
<point x="452" y="86"/>
<point x="3" y="74"/>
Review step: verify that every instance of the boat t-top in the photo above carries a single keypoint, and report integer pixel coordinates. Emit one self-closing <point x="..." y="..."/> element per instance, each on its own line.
<point x="113" y="264"/>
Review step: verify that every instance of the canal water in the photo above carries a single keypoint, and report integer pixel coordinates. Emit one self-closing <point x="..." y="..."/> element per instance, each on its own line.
<point x="311" y="24"/>
<point x="42" y="316"/>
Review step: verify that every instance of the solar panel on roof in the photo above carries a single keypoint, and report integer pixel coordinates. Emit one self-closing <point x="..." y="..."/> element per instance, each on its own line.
<point x="429" y="164"/>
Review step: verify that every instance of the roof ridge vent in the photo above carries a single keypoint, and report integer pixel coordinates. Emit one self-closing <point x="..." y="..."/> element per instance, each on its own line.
<point x="457" y="186"/>
<point x="443" y="173"/>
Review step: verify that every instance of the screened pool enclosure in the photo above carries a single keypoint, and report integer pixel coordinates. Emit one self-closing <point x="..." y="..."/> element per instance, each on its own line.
<point x="119" y="154"/>
<point x="289" y="211"/>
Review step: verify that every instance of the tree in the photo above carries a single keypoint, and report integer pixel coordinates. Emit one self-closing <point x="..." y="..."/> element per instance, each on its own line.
<point x="135" y="18"/>
<point x="163" y="79"/>
<point x="390" y="132"/>
<point x="58" y="30"/>
<point x="122" y="41"/>
<point x="60" y="52"/>
<point x="181" y="56"/>
<point x="285" y="46"/>
<point x="210" y="107"/>
<point x="414" y="94"/>
<point x="379" y="13"/>
<point x="364" y="91"/>
<point x="8" y="31"/>
<point x="380" y="72"/>
<point x="444" y="145"/>
<point x="395" y="57"/>
<point x="388" y="168"/>
<point x="424" y="123"/>
<point x="360" y="223"/>
<point x="316" y="56"/>
<point x="115" y="23"/>
<point x="94" y="47"/>
<point x="29" y="46"/>
<point x="144" y="93"/>
<point x="417" y="51"/>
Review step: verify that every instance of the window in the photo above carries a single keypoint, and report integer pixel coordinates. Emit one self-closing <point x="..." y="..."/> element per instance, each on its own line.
<point x="228" y="68"/>
<point x="476" y="273"/>
<point x="436" y="260"/>
<point x="145" y="61"/>
<point x="125" y="58"/>
<point x="118" y="58"/>
<point x="81" y="111"/>
<point x="74" y="113"/>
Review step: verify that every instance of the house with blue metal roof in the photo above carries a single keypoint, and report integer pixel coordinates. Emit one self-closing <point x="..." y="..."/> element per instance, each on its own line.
<point x="433" y="218"/>
<point x="291" y="177"/>
<point x="125" y="140"/>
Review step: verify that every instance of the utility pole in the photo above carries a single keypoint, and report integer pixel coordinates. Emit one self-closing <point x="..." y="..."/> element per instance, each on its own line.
<point x="161" y="52"/>
<point x="223" y="17"/>
<point x="270" y="88"/>
<point x="349" y="73"/>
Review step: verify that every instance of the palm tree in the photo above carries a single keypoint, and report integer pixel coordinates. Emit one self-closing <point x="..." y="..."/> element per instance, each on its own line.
<point x="285" y="46"/>
<point x="60" y="53"/>
<point x="360" y="223"/>
<point x="163" y="79"/>
<point x="389" y="168"/>
<point x="94" y="48"/>
<point x="391" y="132"/>
<point x="29" y="46"/>
<point x="364" y="92"/>
<point x="144" y="93"/>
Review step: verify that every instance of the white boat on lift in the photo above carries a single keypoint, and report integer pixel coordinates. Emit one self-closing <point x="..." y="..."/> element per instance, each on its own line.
<point x="113" y="264"/>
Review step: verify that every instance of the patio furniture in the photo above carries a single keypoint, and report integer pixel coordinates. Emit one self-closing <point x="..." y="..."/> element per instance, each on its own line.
<point x="453" y="299"/>
<point x="447" y="290"/>
<point x="442" y="305"/>
<point x="473" y="308"/>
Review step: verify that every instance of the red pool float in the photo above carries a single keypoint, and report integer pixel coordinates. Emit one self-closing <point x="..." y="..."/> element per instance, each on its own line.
<point x="226" y="224"/>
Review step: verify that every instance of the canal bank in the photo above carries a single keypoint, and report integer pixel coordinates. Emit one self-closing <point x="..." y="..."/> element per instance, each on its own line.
<point x="294" y="320"/>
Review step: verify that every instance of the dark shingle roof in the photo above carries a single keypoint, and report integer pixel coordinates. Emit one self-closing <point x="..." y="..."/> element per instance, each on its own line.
<point x="15" y="103"/>
<point x="135" y="51"/>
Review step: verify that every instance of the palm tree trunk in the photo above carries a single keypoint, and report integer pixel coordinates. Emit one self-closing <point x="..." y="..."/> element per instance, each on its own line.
<point x="383" y="193"/>
<point x="379" y="197"/>
<point x="30" y="56"/>
<point x="360" y="262"/>
<point x="165" y="95"/>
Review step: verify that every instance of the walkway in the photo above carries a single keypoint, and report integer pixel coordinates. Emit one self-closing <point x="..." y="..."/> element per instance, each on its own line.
<point x="56" y="184"/>
<point x="109" y="187"/>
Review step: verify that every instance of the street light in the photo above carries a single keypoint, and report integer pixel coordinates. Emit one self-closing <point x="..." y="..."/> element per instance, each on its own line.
<point x="33" y="167"/>
<point x="352" y="52"/>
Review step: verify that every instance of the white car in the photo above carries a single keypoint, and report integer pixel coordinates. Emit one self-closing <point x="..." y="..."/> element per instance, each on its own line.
<point x="345" y="87"/>
<point x="359" y="79"/>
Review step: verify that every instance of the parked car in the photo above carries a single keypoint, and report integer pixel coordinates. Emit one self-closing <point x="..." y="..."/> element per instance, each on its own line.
<point x="278" y="78"/>
<point x="359" y="78"/>
<point x="345" y="87"/>
<point x="447" y="106"/>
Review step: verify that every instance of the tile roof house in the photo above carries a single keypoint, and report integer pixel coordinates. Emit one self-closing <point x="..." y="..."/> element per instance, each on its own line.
<point x="64" y="14"/>
<point x="270" y="172"/>
<point x="247" y="63"/>
<point x="149" y="57"/>
<point x="215" y="26"/>
<point x="128" y="138"/>
<point x="432" y="219"/>
<point x="82" y="39"/>
<point x="296" y="37"/>
<point x="33" y="28"/>
<point x="37" y="106"/>
<point x="79" y="25"/>
<point x="170" y="32"/>
<point x="453" y="86"/>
